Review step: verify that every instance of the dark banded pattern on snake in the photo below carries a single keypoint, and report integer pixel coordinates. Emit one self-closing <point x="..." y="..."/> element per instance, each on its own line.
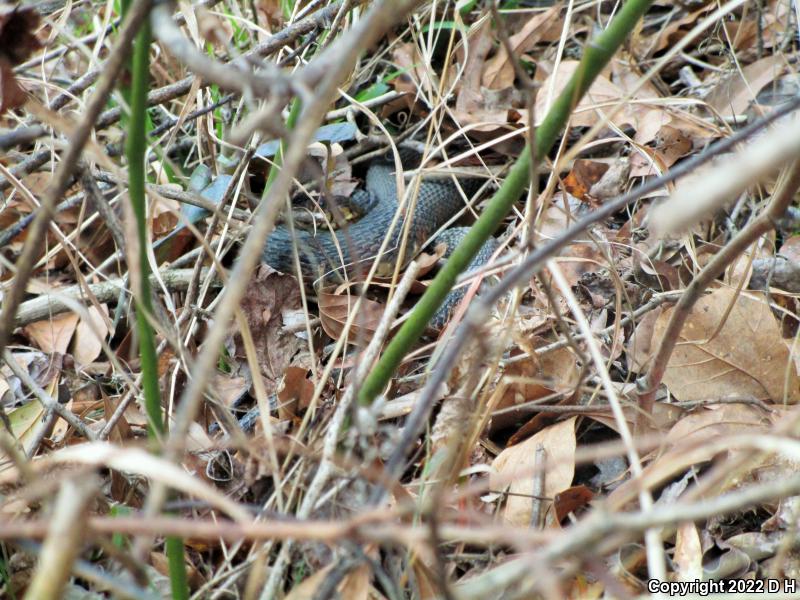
<point x="324" y="254"/>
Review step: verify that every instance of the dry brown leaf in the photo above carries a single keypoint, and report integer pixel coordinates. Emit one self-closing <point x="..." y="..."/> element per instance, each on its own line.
<point x="53" y="335"/>
<point x="87" y="345"/>
<point x="602" y="95"/>
<point x="120" y="486"/>
<point x="214" y="28"/>
<point x="639" y="348"/>
<point x="415" y="77"/>
<point x="12" y="96"/>
<point x="269" y="14"/>
<point x="426" y="580"/>
<point x="356" y="584"/>
<point x="554" y="372"/>
<point x="578" y="257"/>
<point x="488" y="111"/>
<point x="643" y="114"/>
<point x="269" y="295"/>
<point x="18" y="26"/>
<point x="790" y="248"/>
<point x="766" y="27"/>
<point x="746" y="358"/>
<point x="670" y="34"/>
<point x="295" y="394"/>
<point x="571" y="500"/>
<point x="18" y="40"/>
<point x="734" y="94"/>
<point x="498" y="72"/>
<point x="228" y="389"/>
<point x="584" y="174"/>
<point x="671" y="144"/>
<point x="517" y="464"/>
<point x="688" y="443"/>
<point x="335" y="308"/>
<point x="723" y="420"/>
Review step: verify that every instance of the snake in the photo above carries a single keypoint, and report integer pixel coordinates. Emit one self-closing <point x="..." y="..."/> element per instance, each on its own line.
<point x="326" y="255"/>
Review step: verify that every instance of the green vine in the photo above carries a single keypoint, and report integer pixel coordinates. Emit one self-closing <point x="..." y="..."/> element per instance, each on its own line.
<point x="595" y="57"/>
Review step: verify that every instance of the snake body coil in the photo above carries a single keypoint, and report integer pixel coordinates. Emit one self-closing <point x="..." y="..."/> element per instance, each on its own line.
<point x="327" y="255"/>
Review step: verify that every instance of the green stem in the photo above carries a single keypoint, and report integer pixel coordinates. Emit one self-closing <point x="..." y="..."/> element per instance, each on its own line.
<point x="178" y="580"/>
<point x="595" y="57"/>
<point x="134" y="151"/>
<point x="135" y="147"/>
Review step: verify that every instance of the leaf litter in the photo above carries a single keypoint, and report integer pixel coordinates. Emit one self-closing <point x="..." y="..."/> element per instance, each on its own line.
<point x="525" y="444"/>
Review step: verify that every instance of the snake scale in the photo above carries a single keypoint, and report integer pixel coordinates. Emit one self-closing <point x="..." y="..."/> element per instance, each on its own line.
<point x="327" y="255"/>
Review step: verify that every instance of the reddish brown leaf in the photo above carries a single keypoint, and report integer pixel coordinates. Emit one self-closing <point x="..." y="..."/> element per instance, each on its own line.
<point x="295" y="394"/>
<point x="571" y="500"/>
<point x="584" y="174"/>
<point x="12" y="96"/>
<point x="17" y="32"/>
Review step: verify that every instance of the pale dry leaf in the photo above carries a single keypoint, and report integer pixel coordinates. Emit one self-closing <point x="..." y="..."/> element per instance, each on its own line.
<point x="498" y="72"/>
<point x="426" y="580"/>
<point x="790" y="248"/>
<point x="733" y="95"/>
<point x="747" y="357"/>
<point x="91" y="330"/>
<point x="601" y="96"/>
<point x="517" y="464"/>
<point x="639" y="348"/>
<point x="228" y="389"/>
<point x="306" y="589"/>
<point x="356" y="584"/>
<point x="688" y="556"/>
<point x="53" y="335"/>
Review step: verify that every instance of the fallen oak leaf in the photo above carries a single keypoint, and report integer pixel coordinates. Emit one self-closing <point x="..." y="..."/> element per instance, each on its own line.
<point x="730" y="345"/>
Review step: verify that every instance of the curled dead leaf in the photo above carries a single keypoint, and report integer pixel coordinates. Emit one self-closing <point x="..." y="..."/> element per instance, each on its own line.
<point x="334" y="310"/>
